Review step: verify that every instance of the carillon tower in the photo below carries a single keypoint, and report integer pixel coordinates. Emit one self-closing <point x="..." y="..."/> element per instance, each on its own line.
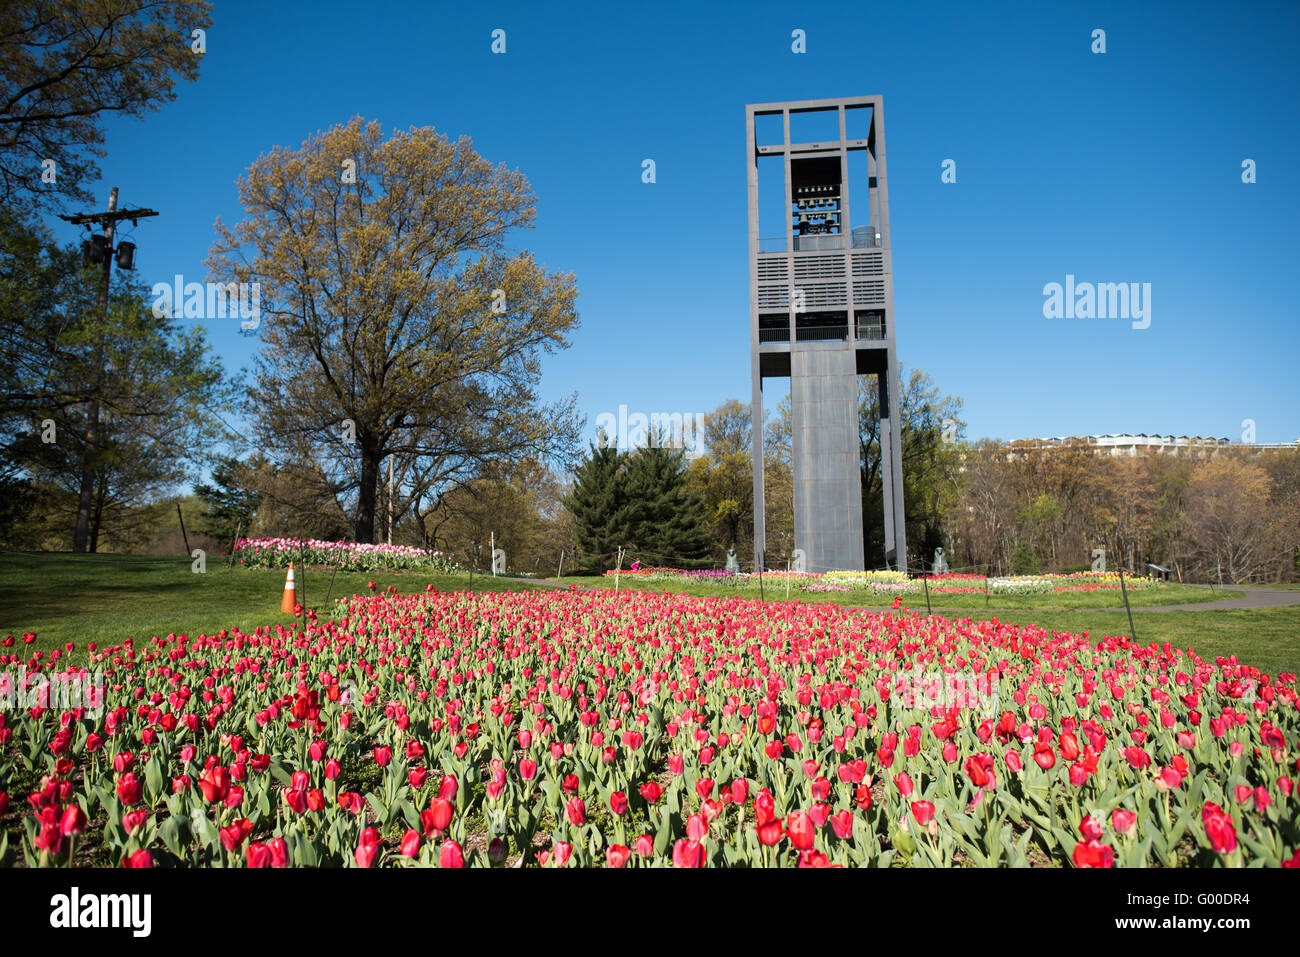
<point x="821" y="308"/>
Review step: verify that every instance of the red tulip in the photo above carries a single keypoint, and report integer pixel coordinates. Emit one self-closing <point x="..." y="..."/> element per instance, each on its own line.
<point x="768" y="825"/>
<point x="383" y="754"/>
<point x="801" y="829"/>
<point x="923" y="811"/>
<point x="645" y="845"/>
<point x="257" y="855"/>
<point x="1219" y="828"/>
<point x="410" y="842"/>
<point x="576" y="812"/>
<point x="616" y="855"/>
<point x="1122" y="820"/>
<point x="1069" y="746"/>
<point x="1137" y="757"/>
<point x="1093" y="854"/>
<point x="979" y="768"/>
<point x="688" y="853"/>
<point x="73" y="821"/>
<point x="448" y="789"/>
<point x="1090" y="828"/>
<point x="1044" y="756"/>
<point x="842" y="824"/>
<point x="368" y="848"/>
<point x="140" y="858"/>
<point x="233" y="836"/>
<point x="862" y="796"/>
<point x="215" y="784"/>
<point x="651" y="791"/>
<point x="128" y="789"/>
<point x="351" y="800"/>
<point x="697" y="827"/>
<point x="438" y="817"/>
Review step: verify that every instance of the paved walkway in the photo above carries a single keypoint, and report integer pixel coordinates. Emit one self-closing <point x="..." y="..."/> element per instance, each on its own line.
<point x="1253" y="598"/>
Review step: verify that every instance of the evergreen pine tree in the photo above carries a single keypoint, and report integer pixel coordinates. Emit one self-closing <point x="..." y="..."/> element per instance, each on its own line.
<point x="230" y="504"/>
<point x="662" y="515"/>
<point x="595" y="503"/>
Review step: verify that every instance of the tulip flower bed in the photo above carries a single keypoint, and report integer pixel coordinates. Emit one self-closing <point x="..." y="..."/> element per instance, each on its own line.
<point x="347" y="556"/>
<point x="896" y="582"/>
<point x="599" y="729"/>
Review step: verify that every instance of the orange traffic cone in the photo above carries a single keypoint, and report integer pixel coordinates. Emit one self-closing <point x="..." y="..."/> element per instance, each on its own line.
<point x="290" y="594"/>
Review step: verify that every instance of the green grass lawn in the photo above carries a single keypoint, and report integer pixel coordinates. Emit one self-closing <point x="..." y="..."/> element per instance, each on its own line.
<point x="108" y="598"/>
<point x="864" y="598"/>
<point x="1268" y="638"/>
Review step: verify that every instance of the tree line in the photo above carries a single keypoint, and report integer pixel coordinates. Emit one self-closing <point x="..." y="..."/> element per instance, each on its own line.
<point x="997" y="508"/>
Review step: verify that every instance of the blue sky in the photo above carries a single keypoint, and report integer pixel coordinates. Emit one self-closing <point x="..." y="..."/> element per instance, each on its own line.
<point x="1115" y="167"/>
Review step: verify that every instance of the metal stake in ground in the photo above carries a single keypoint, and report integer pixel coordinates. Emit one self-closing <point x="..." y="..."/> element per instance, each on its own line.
<point x="925" y="580"/>
<point x="233" y="542"/>
<point x="760" y="578"/>
<point x="559" y="572"/>
<point x="618" y="569"/>
<point x="1124" y="591"/>
<point x="332" y="574"/>
<point x="185" y="538"/>
<point x="302" y="589"/>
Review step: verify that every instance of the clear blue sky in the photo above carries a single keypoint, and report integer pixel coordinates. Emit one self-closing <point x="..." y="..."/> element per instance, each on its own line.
<point x="1124" y="166"/>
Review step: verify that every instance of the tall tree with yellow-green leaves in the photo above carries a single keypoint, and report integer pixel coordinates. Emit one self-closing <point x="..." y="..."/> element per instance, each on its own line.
<point x="395" y="319"/>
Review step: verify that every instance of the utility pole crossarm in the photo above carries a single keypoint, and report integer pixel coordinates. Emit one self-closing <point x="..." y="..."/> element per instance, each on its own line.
<point x="80" y="219"/>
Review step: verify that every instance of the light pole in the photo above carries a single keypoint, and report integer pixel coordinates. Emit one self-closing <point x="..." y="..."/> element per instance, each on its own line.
<point x="97" y="253"/>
